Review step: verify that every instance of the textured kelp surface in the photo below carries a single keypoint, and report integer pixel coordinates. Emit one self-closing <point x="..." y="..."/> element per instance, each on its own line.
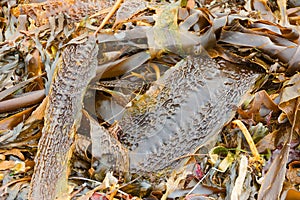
<point x="185" y="108"/>
<point x="150" y="106"/>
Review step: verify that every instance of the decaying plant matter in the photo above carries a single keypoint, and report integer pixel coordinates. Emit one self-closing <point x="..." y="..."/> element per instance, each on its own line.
<point x="163" y="81"/>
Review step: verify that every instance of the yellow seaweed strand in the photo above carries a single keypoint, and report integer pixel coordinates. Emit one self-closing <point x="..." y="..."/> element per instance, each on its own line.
<point x="249" y="139"/>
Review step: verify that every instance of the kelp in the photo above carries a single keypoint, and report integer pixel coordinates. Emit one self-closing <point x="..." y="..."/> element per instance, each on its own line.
<point x="152" y="34"/>
<point x="40" y="13"/>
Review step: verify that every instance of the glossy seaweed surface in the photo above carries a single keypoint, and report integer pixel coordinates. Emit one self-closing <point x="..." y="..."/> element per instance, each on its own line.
<point x="185" y="108"/>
